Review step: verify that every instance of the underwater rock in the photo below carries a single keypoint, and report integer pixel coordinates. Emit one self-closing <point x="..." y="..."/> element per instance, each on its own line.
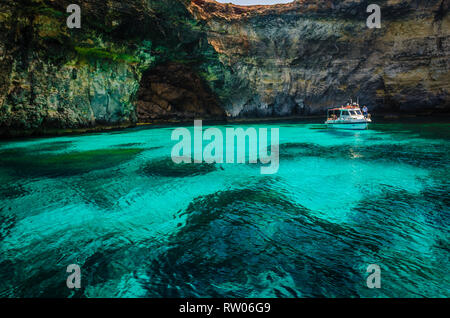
<point x="28" y="164"/>
<point x="167" y="168"/>
<point x="246" y="242"/>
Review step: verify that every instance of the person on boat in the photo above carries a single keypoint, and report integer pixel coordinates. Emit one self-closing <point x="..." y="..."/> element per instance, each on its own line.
<point x="365" y="111"/>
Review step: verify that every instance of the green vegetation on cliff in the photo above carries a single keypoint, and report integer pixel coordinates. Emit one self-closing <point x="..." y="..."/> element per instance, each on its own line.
<point x="98" y="53"/>
<point x="262" y="61"/>
<point x="56" y="77"/>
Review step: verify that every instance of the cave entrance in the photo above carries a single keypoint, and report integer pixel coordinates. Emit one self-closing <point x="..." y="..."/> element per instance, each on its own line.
<point x="174" y="91"/>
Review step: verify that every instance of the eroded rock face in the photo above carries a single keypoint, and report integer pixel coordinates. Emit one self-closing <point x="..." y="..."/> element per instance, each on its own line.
<point x="56" y="77"/>
<point x="308" y="55"/>
<point x="202" y="58"/>
<point x="175" y="91"/>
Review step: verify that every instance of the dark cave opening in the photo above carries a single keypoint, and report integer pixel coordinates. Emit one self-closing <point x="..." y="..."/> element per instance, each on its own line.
<point x="175" y="91"/>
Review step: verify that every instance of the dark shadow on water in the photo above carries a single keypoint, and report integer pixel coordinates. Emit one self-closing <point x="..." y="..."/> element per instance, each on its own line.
<point x="26" y="163"/>
<point x="10" y="188"/>
<point x="411" y="230"/>
<point x="41" y="147"/>
<point x="7" y="222"/>
<point x="256" y="242"/>
<point x="420" y="130"/>
<point x="165" y="167"/>
<point x="130" y="144"/>
<point x="341" y="132"/>
<point x="424" y="156"/>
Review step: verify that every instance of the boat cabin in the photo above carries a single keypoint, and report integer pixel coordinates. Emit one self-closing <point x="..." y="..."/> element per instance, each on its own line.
<point x="347" y="117"/>
<point x="346" y="112"/>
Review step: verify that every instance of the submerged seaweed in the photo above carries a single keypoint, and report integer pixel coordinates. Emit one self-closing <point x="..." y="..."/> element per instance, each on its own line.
<point x="165" y="167"/>
<point x="29" y="164"/>
<point x="261" y="242"/>
<point x="140" y="225"/>
<point x="421" y="156"/>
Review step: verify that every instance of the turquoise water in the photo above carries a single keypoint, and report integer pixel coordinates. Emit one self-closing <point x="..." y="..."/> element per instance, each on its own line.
<point x="140" y="226"/>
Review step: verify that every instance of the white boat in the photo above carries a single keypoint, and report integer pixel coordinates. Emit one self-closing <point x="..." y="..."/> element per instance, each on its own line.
<point x="347" y="117"/>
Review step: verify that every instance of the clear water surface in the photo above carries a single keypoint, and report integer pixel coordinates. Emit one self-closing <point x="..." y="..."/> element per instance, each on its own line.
<point x="140" y="226"/>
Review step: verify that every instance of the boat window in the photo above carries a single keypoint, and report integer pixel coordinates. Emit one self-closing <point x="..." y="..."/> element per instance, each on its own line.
<point x="358" y="112"/>
<point x="344" y="113"/>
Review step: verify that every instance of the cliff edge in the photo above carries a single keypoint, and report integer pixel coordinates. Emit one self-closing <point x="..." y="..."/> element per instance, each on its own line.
<point x="141" y="61"/>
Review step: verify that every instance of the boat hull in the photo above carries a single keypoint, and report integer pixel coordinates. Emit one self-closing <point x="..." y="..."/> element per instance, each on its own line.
<point x="350" y="126"/>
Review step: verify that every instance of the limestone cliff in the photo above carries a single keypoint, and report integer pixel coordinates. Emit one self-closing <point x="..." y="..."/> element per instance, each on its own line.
<point x="308" y="55"/>
<point x="143" y="60"/>
<point x="56" y="77"/>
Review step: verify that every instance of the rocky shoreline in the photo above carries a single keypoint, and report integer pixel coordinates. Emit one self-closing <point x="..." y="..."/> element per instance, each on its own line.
<point x="9" y="134"/>
<point x="175" y="60"/>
